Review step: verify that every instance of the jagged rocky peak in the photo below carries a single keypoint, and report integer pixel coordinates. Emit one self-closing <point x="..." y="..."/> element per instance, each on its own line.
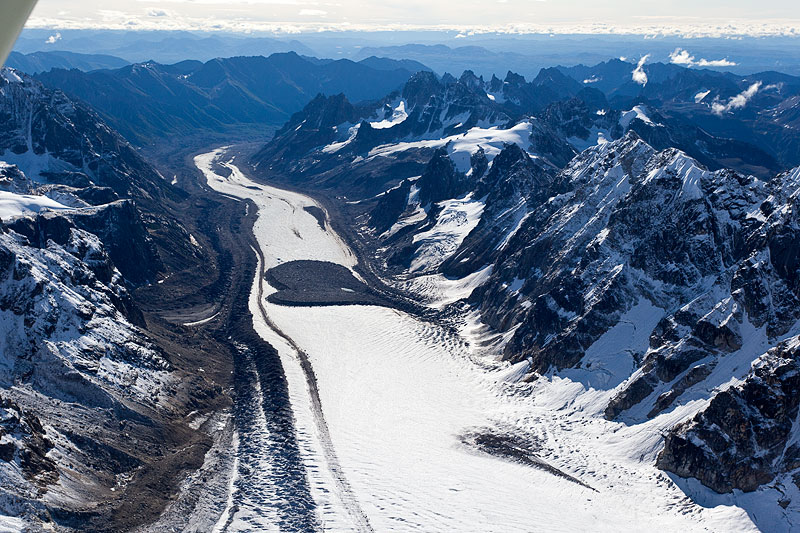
<point x="427" y="108"/>
<point x="322" y="121"/>
<point x="53" y="139"/>
<point x="614" y="198"/>
<point x="471" y="81"/>
<point x="515" y="80"/>
<point x="478" y="163"/>
<point x="594" y="99"/>
<point x="419" y="89"/>
<point x="582" y="115"/>
<point x="441" y="180"/>
<point x="553" y="78"/>
<point x="323" y="112"/>
<point x="495" y="84"/>
<point x="510" y="174"/>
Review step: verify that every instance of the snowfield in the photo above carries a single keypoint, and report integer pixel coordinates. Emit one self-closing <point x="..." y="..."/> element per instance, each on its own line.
<point x="457" y="219"/>
<point x="14" y="205"/>
<point x="399" y="396"/>
<point x="461" y="147"/>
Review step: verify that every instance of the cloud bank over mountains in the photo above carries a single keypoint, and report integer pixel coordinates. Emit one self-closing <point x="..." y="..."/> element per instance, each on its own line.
<point x="466" y="16"/>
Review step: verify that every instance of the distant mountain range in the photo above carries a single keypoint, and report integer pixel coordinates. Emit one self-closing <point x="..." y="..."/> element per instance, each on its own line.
<point x="758" y="109"/>
<point x="148" y="101"/>
<point x="442" y="58"/>
<point x="721" y="119"/>
<point x="443" y="51"/>
<point x="164" y="47"/>
<point x="37" y="62"/>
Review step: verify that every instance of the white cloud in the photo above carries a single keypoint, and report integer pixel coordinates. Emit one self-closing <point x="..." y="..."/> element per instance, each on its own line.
<point x="312" y="13"/>
<point x="683" y="57"/>
<point x="738" y="101"/>
<point x="53" y="38"/>
<point x="514" y="17"/>
<point x="639" y="75"/>
<point x="153" y="12"/>
<point x="716" y="63"/>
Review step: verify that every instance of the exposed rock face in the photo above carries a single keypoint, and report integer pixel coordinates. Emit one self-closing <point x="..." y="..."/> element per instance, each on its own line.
<point x="55" y="140"/>
<point x="744" y="438"/>
<point x="624" y="204"/>
<point x="514" y="180"/>
<point x="83" y="389"/>
<point x="441" y="181"/>
<point x="52" y="292"/>
<point x="549" y="256"/>
<point x="118" y="226"/>
<point x="13" y="180"/>
<point x="390" y="207"/>
<point x="314" y="126"/>
<point x="25" y="444"/>
<point x="74" y="369"/>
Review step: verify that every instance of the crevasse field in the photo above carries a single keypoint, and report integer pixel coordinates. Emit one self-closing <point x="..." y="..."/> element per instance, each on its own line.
<point x="383" y="446"/>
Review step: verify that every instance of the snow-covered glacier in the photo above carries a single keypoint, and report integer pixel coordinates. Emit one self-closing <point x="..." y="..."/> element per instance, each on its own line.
<point x="406" y="425"/>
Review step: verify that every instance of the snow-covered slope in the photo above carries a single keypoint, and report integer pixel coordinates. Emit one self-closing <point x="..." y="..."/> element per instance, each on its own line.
<point x="54" y="140"/>
<point x="82" y="386"/>
<point x="633" y="284"/>
<point x="13" y="205"/>
<point x="407" y="426"/>
<point x="68" y="353"/>
<point x="653" y="284"/>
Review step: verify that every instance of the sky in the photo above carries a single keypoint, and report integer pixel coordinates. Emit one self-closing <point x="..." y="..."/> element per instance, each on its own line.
<point x="685" y="17"/>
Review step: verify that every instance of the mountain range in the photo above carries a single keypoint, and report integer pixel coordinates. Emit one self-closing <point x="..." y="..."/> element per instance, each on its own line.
<point x="624" y="234"/>
<point x="37" y="62"/>
<point x="164" y="47"/>
<point x="150" y="101"/>
<point x="606" y="236"/>
<point x="721" y="119"/>
<point x="86" y="225"/>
